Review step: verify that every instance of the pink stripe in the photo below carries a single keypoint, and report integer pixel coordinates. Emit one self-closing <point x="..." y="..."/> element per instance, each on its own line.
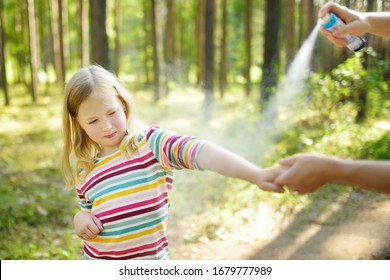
<point x="132" y="206"/>
<point x="194" y="149"/>
<point x="179" y="151"/>
<point x="153" y="245"/>
<point x="108" y="170"/>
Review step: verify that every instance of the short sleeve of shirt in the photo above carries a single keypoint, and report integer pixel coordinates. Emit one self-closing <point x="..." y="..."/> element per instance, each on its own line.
<point x="172" y="150"/>
<point x="84" y="204"/>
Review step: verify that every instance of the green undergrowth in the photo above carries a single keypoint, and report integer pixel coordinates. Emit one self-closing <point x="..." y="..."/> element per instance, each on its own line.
<point x="36" y="211"/>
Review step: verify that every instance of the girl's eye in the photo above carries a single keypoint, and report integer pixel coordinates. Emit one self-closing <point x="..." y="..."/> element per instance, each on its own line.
<point x="112" y="113"/>
<point x="92" y="122"/>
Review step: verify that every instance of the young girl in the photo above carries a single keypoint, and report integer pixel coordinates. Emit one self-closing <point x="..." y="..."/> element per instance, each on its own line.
<point x="123" y="174"/>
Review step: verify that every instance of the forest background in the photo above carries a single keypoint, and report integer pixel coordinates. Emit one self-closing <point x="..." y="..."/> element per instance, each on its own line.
<point x="207" y="68"/>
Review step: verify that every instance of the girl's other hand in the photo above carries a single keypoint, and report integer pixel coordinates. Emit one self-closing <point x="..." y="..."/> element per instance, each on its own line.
<point x="87" y="226"/>
<point x="266" y="179"/>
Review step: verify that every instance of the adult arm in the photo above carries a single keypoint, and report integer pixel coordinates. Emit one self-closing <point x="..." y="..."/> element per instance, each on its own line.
<point x="357" y="23"/>
<point x="306" y="173"/>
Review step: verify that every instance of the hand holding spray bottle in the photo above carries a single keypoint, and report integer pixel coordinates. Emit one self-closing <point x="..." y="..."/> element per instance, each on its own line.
<point x="330" y="21"/>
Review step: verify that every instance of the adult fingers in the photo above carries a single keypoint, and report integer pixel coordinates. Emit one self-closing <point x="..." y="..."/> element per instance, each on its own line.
<point x="332" y="7"/>
<point x="287" y="161"/>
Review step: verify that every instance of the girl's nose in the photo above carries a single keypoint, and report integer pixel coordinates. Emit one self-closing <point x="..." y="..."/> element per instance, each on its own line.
<point x="107" y="125"/>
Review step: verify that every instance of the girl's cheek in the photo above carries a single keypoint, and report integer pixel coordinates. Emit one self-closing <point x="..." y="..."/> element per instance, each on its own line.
<point x="92" y="133"/>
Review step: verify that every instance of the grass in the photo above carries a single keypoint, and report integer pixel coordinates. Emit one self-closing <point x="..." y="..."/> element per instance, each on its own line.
<point x="36" y="211"/>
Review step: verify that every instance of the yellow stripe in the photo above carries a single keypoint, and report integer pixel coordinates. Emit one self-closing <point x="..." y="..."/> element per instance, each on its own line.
<point x="108" y="159"/>
<point x="142" y="143"/>
<point x="131" y="236"/>
<point x="130" y="191"/>
<point x="187" y="154"/>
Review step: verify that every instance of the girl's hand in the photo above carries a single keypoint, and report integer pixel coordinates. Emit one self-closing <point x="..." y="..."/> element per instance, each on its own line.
<point x="265" y="179"/>
<point x="87" y="226"/>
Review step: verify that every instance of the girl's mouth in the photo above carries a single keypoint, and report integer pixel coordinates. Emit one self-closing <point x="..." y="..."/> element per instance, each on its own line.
<point x="110" y="135"/>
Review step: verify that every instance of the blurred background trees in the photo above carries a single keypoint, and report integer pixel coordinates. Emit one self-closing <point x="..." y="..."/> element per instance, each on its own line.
<point x="212" y="44"/>
<point x="179" y="58"/>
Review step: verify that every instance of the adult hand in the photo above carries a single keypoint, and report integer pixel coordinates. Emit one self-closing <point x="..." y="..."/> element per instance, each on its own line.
<point x="355" y="23"/>
<point x="305" y="173"/>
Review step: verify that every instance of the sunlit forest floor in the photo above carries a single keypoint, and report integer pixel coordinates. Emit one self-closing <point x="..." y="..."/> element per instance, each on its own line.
<point x="211" y="217"/>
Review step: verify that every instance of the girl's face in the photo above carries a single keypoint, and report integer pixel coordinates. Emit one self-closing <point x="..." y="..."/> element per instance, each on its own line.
<point x="103" y="118"/>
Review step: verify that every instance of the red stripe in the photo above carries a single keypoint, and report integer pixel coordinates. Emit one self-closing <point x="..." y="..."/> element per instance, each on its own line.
<point x="132" y="167"/>
<point x="131" y="206"/>
<point x="134" y="213"/>
<point x="159" y="245"/>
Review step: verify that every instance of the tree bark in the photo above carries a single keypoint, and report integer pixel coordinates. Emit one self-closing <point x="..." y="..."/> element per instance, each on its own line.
<point x="118" y="30"/>
<point x="248" y="45"/>
<point x="223" y="51"/>
<point x="34" y="55"/>
<point x="271" y="50"/>
<point x="98" y="33"/>
<point x="156" y="57"/>
<point x="209" y="58"/>
<point x="83" y="32"/>
<point x="3" y="71"/>
<point x="200" y="37"/>
<point x="58" y="48"/>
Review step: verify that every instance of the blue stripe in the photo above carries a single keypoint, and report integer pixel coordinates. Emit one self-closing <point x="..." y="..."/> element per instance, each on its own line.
<point x="331" y="22"/>
<point x="117" y="233"/>
<point x="129" y="184"/>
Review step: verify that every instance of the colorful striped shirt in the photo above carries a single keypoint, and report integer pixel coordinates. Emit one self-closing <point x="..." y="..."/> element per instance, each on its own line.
<point x="130" y="196"/>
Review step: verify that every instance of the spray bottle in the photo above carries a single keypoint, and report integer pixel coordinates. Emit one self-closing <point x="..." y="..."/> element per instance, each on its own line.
<point x="330" y="21"/>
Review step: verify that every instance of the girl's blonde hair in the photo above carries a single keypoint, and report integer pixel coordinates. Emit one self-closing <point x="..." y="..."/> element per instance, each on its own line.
<point x="93" y="79"/>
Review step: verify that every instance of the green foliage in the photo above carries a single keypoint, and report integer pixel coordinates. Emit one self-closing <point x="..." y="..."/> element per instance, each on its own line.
<point x="350" y="88"/>
<point x="35" y="209"/>
<point x="378" y="149"/>
<point x="36" y="212"/>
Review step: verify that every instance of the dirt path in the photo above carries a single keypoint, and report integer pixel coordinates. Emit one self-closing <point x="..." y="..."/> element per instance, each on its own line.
<point x="344" y="231"/>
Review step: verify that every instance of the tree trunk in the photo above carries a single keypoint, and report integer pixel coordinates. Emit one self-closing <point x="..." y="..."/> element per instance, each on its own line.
<point x="45" y="53"/>
<point x="3" y="72"/>
<point x="148" y="40"/>
<point x="271" y="49"/>
<point x="200" y="37"/>
<point x="118" y="30"/>
<point x="64" y="31"/>
<point x="223" y="51"/>
<point x="59" y="63"/>
<point x="248" y="45"/>
<point x="301" y="22"/>
<point x="34" y="55"/>
<point x="99" y="33"/>
<point x="290" y="31"/>
<point x="83" y="32"/>
<point x="170" y="43"/>
<point x="156" y="59"/>
<point x="311" y="17"/>
<point x="21" y="39"/>
<point x="209" y="58"/>
<point x="362" y="92"/>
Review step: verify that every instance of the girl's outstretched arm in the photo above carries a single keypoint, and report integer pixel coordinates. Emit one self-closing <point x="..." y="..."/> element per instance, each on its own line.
<point x="217" y="159"/>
